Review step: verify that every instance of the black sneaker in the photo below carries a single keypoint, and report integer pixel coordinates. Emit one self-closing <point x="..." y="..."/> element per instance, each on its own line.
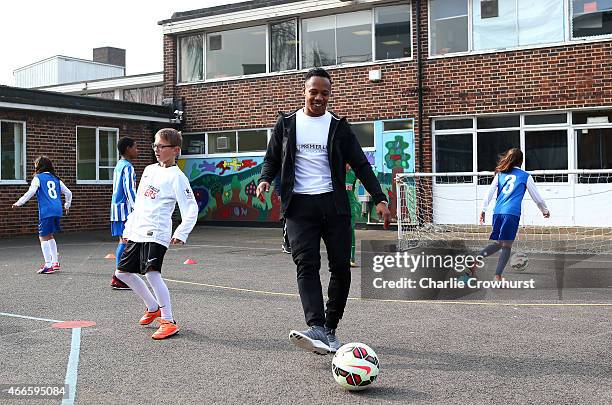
<point x="313" y="339"/>
<point x="332" y="340"/>
<point x="286" y="248"/>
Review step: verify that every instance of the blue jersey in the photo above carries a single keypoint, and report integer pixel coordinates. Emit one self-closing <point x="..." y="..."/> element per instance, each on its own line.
<point x="48" y="196"/>
<point x="511" y="188"/>
<point x="124" y="191"/>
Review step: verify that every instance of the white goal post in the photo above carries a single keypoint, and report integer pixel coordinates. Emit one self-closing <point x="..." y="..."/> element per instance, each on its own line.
<point x="446" y="206"/>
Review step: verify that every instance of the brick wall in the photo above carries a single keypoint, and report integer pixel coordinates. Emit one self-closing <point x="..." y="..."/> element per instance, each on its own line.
<point x="54" y="135"/>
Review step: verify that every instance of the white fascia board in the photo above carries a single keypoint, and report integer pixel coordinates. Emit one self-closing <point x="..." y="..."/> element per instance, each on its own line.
<point x="261" y="14"/>
<point x="61" y="110"/>
<point x="108" y="84"/>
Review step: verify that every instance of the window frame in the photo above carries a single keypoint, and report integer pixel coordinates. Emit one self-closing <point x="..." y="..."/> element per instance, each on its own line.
<point x="299" y="51"/>
<point x="568" y="39"/>
<point x="368" y="148"/>
<point x="98" y="129"/>
<point x="23" y="155"/>
<point x="228" y="154"/>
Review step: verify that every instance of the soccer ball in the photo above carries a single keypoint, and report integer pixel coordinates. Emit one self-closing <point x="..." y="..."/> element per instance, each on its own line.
<point x="519" y="261"/>
<point x="355" y="366"/>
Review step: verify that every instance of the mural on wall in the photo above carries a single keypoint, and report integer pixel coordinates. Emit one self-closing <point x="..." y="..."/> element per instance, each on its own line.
<point x="225" y="187"/>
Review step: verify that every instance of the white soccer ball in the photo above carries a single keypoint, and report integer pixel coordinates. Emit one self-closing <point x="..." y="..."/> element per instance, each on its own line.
<point x="355" y="366"/>
<point x="519" y="261"/>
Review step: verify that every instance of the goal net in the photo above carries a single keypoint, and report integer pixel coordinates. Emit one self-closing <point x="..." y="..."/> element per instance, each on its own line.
<point x="446" y="206"/>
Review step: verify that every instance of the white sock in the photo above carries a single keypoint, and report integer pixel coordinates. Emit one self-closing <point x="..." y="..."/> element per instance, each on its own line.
<point x="161" y="292"/>
<point x="46" y="250"/>
<point x="139" y="287"/>
<point x="54" y="255"/>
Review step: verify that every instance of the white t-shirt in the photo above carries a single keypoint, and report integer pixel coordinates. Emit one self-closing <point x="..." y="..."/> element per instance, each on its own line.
<point x="159" y="190"/>
<point x="312" y="172"/>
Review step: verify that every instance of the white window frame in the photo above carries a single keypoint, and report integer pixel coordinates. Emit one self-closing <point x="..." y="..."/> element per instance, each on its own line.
<point x="368" y="148"/>
<point x="228" y="154"/>
<point x="23" y="155"/>
<point x="299" y="51"/>
<point x="568" y="39"/>
<point x="98" y="129"/>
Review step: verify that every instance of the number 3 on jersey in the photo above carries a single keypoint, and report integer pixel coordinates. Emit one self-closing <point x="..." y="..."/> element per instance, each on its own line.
<point x="51" y="189"/>
<point x="509" y="184"/>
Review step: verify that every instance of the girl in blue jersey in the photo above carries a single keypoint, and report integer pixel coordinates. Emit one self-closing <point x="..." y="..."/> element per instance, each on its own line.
<point x="47" y="187"/>
<point x="509" y="185"/>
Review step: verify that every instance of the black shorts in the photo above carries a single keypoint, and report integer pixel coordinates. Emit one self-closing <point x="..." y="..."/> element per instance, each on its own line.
<point x="140" y="257"/>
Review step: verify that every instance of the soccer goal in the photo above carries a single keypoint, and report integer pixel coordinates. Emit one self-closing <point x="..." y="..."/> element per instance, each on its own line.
<point x="446" y="206"/>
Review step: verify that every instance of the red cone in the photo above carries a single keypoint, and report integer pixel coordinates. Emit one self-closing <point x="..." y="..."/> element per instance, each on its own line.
<point x="110" y="256"/>
<point x="190" y="261"/>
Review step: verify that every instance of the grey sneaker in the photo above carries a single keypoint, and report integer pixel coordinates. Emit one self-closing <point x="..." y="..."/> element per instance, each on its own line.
<point x="314" y="340"/>
<point x="334" y="343"/>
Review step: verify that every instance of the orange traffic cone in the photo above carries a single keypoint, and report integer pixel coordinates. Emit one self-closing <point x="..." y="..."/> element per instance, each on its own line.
<point x="110" y="256"/>
<point x="190" y="261"/>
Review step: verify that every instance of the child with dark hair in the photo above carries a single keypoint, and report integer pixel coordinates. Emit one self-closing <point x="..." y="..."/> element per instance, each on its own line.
<point x="509" y="185"/>
<point x="124" y="194"/>
<point x="47" y="187"/>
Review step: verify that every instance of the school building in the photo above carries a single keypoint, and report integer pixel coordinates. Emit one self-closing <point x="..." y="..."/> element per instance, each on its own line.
<point x="438" y="85"/>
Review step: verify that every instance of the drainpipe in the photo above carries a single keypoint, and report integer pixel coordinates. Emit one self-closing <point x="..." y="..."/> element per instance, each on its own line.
<point x="419" y="85"/>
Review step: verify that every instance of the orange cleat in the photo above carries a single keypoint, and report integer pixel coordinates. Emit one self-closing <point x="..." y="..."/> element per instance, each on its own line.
<point x="149" y="317"/>
<point x="166" y="329"/>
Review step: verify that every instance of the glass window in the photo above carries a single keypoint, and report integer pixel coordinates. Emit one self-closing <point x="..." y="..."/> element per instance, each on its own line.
<point x="546" y="150"/>
<point x="236" y="52"/>
<point x="222" y="142"/>
<point x="283" y="46"/>
<point x="454" y="124"/>
<point x="191" y="52"/>
<point x="540" y="21"/>
<point x="399" y="125"/>
<point x="392" y="27"/>
<point x="454" y="153"/>
<point x="591" y="18"/>
<point x="490" y="145"/>
<point x="147" y="95"/>
<point x="498" y="121"/>
<point x="545" y="119"/>
<point x="449" y="26"/>
<point x="319" y="41"/>
<point x="495" y="32"/>
<point x="365" y="133"/>
<point x="592" y="117"/>
<point x="11" y="151"/>
<point x="96" y="153"/>
<point x="193" y="144"/>
<point x="594" y="148"/>
<point x="253" y="140"/>
<point x="354" y="37"/>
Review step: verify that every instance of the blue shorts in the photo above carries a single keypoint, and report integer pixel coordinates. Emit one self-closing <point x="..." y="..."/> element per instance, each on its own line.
<point x="47" y="226"/>
<point x="117" y="228"/>
<point x="505" y="227"/>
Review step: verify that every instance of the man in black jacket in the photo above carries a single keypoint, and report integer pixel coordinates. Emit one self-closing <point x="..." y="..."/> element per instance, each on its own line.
<point x="311" y="147"/>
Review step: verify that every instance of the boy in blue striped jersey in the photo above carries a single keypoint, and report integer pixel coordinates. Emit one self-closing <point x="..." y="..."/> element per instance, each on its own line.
<point x="124" y="194"/>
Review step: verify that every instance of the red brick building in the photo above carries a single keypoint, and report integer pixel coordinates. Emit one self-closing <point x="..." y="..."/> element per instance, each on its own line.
<point x="79" y="134"/>
<point x="431" y="85"/>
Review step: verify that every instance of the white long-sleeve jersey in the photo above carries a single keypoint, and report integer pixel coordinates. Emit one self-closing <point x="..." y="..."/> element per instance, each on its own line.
<point x="160" y="189"/>
<point x="34" y="188"/>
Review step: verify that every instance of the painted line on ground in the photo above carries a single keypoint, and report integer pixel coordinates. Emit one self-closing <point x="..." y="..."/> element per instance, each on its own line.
<point x="28" y="317"/>
<point x="483" y="303"/>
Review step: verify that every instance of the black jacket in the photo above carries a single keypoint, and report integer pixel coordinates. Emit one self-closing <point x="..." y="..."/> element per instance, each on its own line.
<point x="342" y="148"/>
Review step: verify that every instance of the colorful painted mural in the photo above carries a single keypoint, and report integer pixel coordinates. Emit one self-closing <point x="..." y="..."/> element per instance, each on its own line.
<point x="225" y="187"/>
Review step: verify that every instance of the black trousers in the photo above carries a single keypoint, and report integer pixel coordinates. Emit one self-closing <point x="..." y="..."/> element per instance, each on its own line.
<point x="310" y="218"/>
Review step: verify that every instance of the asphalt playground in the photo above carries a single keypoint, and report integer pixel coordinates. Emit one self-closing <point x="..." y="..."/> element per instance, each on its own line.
<point x="235" y="308"/>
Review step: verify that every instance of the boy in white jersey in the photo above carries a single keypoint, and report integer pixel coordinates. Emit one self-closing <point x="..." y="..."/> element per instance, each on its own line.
<point x="148" y="230"/>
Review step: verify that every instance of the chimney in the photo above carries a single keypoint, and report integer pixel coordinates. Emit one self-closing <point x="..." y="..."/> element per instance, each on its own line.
<point x="109" y="55"/>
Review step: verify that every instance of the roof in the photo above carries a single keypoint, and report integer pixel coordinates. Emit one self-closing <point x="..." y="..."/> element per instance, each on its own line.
<point x="224" y="9"/>
<point x="16" y="97"/>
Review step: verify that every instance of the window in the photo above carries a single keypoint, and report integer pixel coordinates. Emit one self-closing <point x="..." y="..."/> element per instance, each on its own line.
<point x="449" y="26"/>
<point x="318" y="41"/>
<point x="12" y="150"/>
<point x="354" y="37"/>
<point x="591" y="18"/>
<point x="392" y="27"/>
<point x="241" y="141"/>
<point x="147" y="95"/>
<point x="454" y="153"/>
<point x="592" y="117"/>
<point x="490" y="145"/>
<point x="397" y="125"/>
<point x="283" y="46"/>
<point x="191" y="53"/>
<point x="236" y="52"/>
<point x="454" y="124"/>
<point x="365" y="133"/>
<point x="594" y="148"/>
<point x="193" y="144"/>
<point x="498" y="121"/>
<point x="546" y="119"/>
<point x="546" y="150"/>
<point x="96" y="153"/>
